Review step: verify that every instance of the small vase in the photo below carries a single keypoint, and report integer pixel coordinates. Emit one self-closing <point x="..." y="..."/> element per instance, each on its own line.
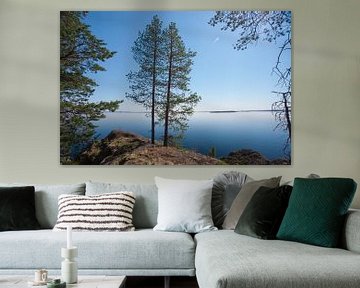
<point x="69" y="271"/>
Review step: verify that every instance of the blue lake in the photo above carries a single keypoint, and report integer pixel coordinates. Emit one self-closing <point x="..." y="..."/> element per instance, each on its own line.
<point x="225" y="131"/>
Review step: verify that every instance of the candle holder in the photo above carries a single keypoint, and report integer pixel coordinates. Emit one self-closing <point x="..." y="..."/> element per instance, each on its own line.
<point x="69" y="271"/>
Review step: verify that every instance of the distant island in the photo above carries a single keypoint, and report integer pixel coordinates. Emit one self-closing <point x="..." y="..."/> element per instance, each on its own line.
<point x="234" y="111"/>
<point x="223" y="111"/>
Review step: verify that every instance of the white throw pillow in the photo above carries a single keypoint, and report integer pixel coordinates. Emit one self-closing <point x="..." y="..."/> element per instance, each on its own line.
<point x="184" y="205"/>
<point x="105" y="212"/>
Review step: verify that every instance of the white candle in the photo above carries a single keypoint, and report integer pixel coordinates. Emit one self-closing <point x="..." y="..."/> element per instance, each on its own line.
<point x="69" y="237"/>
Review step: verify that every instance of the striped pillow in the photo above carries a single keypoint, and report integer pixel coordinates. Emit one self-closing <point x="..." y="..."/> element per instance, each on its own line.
<point x="105" y="212"/>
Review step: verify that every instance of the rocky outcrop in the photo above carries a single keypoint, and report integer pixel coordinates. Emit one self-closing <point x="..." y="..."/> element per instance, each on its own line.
<point x="158" y="155"/>
<point x="111" y="149"/>
<point x="122" y="148"/>
<point x="251" y="157"/>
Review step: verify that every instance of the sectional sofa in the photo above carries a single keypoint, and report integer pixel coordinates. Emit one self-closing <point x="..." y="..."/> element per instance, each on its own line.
<point x="219" y="259"/>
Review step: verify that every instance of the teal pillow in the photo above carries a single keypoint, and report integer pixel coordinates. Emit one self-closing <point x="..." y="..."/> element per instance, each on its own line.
<point x="316" y="211"/>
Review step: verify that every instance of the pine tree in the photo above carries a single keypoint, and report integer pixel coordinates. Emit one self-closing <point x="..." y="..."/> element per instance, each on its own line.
<point x="144" y="83"/>
<point x="161" y="84"/>
<point x="178" y="103"/>
<point x="80" y="54"/>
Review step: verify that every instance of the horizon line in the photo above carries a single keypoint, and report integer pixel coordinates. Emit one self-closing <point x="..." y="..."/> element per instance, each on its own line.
<point x="209" y="111"/>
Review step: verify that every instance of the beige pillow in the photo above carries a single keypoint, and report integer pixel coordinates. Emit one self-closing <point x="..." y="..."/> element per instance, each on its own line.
<point x="243" y="198"/>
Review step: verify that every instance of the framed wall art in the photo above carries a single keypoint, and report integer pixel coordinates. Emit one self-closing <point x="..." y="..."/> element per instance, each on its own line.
<point x="175" y="87"/>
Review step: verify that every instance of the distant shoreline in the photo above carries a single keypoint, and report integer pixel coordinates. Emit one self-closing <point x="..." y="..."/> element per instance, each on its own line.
<point x="206" y="111"/>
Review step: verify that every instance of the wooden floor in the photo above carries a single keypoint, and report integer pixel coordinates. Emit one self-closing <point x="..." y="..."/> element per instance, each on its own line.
<point x="158" y="282"/>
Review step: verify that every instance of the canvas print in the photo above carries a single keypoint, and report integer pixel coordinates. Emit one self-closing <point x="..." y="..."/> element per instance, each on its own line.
<point x="175" y="88"/>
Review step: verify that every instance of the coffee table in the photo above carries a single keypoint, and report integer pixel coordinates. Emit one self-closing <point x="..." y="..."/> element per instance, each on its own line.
<point x="84" y="281"/>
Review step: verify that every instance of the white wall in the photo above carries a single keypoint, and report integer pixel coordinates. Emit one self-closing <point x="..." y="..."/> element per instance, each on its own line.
<point x="326" y="85"/>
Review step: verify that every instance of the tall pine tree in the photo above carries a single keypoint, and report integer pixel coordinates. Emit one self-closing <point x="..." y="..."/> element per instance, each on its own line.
<point x="80" y="54"/>
<point x="161" y="84"/>
<point x="148" y="51"/>
<point x="178" y="102"/>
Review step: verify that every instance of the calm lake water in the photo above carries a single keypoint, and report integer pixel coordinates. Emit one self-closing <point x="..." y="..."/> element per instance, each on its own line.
<point x="225" y="131"/>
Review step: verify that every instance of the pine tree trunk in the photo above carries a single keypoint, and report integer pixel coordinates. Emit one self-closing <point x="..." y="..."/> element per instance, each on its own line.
<point x="153" y="95"/>
<point x="167" y="109"/>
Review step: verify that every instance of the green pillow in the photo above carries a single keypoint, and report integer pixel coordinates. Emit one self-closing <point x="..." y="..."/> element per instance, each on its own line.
<point x="316" y="211"/>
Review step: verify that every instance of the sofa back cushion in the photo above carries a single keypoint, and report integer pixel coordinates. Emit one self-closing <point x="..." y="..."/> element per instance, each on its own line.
<point x="146" y="204"/>
<point x="46" y="200"/>
<point x="350" y="238"/>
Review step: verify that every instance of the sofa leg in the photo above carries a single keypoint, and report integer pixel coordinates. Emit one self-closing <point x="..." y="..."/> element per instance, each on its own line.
<point x="167" y="282"/>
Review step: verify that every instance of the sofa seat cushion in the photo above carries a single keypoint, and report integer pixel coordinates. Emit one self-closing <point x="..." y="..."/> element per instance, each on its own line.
<point x="225" y="259"/>
<point x="142" y="249"/>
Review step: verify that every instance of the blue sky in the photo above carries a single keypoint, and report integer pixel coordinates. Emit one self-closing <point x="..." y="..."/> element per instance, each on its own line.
<point x="225" y="78"/>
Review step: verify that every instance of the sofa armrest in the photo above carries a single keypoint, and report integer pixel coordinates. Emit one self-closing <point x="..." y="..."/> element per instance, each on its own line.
<point x="351" y="234"/>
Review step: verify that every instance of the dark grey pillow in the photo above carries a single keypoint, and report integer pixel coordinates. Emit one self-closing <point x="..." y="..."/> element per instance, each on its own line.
<point x="263" y="214"/>
<point x="226" y="187"/>
<point x="243" y="198"/>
